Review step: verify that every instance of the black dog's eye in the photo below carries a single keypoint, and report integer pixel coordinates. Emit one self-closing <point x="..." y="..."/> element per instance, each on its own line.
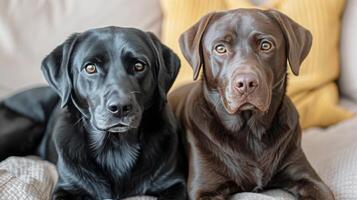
<point x="139" y="67"/>
<point x="90" y="68"/>
<point x="220" y="49"/>
<point x="265" y="45"/>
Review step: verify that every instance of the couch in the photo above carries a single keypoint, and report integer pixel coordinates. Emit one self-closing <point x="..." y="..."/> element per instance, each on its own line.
<point x="31" y="29"/>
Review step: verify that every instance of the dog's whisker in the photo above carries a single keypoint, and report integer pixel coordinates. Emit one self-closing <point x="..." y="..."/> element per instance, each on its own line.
<point x="106" y="140"/>
<point x="135" y="92"/>
<point x="77" y="122"/>
<point x="218" y="89"/>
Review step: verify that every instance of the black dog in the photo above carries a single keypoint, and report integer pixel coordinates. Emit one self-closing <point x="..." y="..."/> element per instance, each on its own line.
<point x="114" y="136"/>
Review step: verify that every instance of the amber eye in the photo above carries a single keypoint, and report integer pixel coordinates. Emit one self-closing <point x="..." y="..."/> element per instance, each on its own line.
<point x="265" y="46"/>
<point x="139" y="67"/>
<point x="220" y="49"/>
<point x="90" y="68"/>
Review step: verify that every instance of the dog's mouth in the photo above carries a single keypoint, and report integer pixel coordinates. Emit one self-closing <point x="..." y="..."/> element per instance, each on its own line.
<point x="116" y="128"/>
<point x="114" y="124"/>
<point x="235" y="102"/>
<point x="247" y="106"/>
<point x="233" y="109"/>
<point x="119" y="128"/>
<point x="233" y="106"/>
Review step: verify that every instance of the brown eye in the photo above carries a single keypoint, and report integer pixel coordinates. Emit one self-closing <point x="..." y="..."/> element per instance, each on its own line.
<point x="265" y="46"/>
<point x="139" y="67"/>
<point x="90" y="68"/>
<point x="220" y="49"/>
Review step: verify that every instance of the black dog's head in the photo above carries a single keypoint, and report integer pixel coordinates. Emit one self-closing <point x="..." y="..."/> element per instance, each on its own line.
<point x="111" y="75"/>
<point x="244" y="53"/>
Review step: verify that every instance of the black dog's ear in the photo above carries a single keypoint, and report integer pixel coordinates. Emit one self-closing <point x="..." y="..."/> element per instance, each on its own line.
<point x="298" y="39"/>
<point x="55" y="68"/>
<point x="168" y="65"/>
<point x="190" y="43"/>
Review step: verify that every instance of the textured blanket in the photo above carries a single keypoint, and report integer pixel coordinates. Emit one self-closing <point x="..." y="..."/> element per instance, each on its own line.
<point x="332" y="152"/>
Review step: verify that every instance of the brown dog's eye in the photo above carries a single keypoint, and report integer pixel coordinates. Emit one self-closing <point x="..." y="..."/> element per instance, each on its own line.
<point x="220" y="49"/>
<point x="90" y="68"/>
<point x="265" y="46"/>
<point x="139" y="67"/>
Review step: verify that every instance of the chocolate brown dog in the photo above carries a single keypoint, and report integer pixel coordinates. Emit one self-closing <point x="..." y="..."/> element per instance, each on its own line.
<point x="242" y="131"/>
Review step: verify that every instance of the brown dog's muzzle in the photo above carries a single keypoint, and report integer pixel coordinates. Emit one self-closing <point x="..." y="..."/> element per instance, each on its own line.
<point x="246" y="88"/>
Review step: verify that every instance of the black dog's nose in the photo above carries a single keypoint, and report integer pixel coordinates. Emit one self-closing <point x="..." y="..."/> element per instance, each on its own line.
<point x="120" y="108"/>
<point x="246" y="83"/>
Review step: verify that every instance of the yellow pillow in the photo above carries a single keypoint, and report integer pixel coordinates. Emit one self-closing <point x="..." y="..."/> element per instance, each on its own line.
<point x="314" y="91"/>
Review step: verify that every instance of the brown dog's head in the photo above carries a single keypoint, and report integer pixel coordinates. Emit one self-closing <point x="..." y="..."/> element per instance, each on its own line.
<point x="244" y="54"/>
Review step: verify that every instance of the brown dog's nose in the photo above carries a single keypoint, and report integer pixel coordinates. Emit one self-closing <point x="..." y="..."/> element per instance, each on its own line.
<point x="246" y="83"/>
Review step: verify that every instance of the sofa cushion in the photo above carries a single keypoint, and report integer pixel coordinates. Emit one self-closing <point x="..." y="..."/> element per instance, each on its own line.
<point x="276" y="194"/>
<point x="32" y="179"/>
<point x="332" y="152"/>
<point x="31" y="29"/>
<point x="26" y="178"/>
<point x="348" y="80"/>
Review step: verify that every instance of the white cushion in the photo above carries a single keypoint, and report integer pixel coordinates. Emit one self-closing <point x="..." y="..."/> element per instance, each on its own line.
<point x="29" y="30"/>
<point x="348" y="77"/>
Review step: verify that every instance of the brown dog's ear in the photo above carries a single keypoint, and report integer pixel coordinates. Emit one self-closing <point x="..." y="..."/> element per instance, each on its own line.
<point x="55" y="68"/>
<point x="298" y="39"/>
<point x="190" y="44"/>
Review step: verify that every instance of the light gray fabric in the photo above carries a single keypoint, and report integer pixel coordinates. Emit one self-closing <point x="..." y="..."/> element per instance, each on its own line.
<point x="31" y="29"/>
<point x="348" y="76"/>
<point x="331" y="151"/>
<point x="26" y="178"/>
<point x="267" y="195"/>
<point x="29" y="178"/>
<point x="141" y="198"/>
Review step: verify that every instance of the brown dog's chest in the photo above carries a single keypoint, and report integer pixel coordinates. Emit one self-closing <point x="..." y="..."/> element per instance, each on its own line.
<point x="245" y="161"/>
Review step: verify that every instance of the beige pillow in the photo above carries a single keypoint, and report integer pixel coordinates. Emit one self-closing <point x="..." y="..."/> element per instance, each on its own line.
<point x="31" y="29"/>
